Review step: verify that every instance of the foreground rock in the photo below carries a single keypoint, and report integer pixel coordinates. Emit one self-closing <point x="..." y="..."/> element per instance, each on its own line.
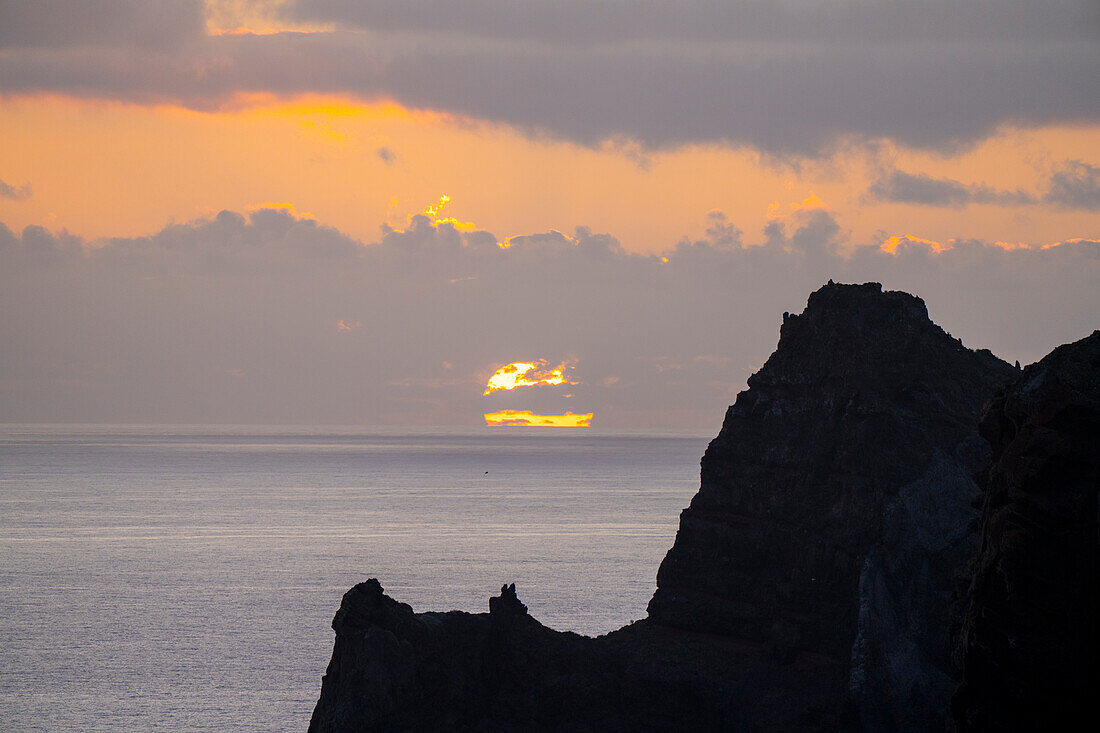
<point x="809" y="587"/>
<point x="836" y="507"/>
<point x="1031" y="637"/>
<point x="393" y="670"/>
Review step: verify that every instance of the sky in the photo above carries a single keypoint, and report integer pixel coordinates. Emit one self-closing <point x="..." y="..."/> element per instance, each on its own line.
<point x="337" y="212"/>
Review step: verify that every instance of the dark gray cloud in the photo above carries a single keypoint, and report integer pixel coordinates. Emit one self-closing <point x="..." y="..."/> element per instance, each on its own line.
<point x="785" y="77"/>
<point x="1073" y="185"/>
<point x="721" y="232"/>
<point x="272" y="318"/>
<point x="18" y="193"/>
<point x="111" y="23"/>
<point x="811" y="231"/>
<point x="581" y="22"/>
<point x="910" y="188"/>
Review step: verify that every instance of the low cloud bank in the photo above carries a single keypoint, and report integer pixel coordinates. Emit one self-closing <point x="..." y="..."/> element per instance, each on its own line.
<point x="278" y="319"/>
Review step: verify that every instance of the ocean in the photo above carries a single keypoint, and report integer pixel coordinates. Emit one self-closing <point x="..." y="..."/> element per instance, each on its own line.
<point x="185" y="578"/>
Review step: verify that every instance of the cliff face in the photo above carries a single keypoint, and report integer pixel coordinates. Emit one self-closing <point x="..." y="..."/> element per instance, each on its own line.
<point x="809" y="587"/>
<point x="836" y="504"/>
<point x="1029" y="642"/>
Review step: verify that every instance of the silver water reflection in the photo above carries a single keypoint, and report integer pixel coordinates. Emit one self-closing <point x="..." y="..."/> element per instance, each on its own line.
<point x="185" y="578"/>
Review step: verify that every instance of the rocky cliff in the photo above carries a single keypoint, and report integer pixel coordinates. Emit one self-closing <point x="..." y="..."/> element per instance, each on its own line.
<point x="836" y="505"/>
<point x="1030" y="641"/>
<point x="809" y="586"/>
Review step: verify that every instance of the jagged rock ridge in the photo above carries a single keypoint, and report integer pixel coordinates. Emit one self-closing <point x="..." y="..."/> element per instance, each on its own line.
<point x="810" y="581"/>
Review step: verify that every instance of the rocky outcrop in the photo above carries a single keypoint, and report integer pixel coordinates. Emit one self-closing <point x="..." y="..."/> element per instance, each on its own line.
<point x="1030" y="641"/>
<point x="809" y="587"/>
<point x="836" y="505"/>
<point x="395" y="670"/>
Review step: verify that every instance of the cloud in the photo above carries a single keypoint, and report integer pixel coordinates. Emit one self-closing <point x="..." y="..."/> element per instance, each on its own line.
<point x="721" y="232"/>
<point x="104" y="23"/>
<point x="9" y="191"/>
<point x="386" y="155"/>
<point x="1075" y="186"/>
<point x="622" y="21"/>
<point x="783" y="77"/>
<point x="892" y="244"/>
<point x="902" y="187"/>
<point x="235" y="318"/>
<point x="812" y="230"/>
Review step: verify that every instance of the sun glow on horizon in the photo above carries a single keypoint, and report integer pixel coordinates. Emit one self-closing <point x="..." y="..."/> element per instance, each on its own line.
<point x="533" y="374"/>
<point x="528" y="419"/>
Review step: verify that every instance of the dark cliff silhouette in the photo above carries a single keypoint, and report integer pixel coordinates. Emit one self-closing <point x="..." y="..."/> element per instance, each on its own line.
<point x="836" y="504"/>
<point x="1030" y="642"/>
<point x="810" y="586"/>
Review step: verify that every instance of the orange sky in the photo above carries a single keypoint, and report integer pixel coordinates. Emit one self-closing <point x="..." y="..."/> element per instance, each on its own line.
<point x="939" y="148"/>
<point x="111" y="169"/>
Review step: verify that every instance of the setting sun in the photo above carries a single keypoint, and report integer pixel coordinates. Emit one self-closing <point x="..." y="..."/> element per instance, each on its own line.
<point x="527" y="374"/>
<point x="526" y="419"/>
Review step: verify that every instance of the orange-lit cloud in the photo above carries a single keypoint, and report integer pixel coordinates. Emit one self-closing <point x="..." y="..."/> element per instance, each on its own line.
<point x="891" y="243"/>
<point x="527" y="374"/>
<point x="434" y="211"/>
<point x="527" y="419"/>
<point x="1074" y="240"/>
<point x="775" y="211"/>
<point x="287" y="207"/>
<point x="345" y="326"/>
<point x="813" y="201"/>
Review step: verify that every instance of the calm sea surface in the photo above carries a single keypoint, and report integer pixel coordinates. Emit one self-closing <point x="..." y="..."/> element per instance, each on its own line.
<point x="185" y="578"/>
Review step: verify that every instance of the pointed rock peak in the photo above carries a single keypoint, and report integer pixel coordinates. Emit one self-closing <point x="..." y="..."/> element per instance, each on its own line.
<point x="507" y="602"/>
<point x="365" y="596"/>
